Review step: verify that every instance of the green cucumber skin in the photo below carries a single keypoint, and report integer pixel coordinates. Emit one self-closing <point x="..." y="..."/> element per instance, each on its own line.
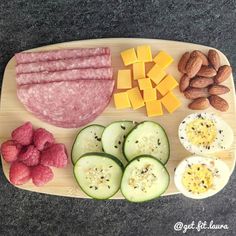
<point x="97" y="199"/>
<point x="135" y="123"/>
<point x="76" y="139"/>
<point x="168" y="142"/>
<point x="123" y="147"/>
<point x="149" y="156"/>
<point x="106" y="156"/>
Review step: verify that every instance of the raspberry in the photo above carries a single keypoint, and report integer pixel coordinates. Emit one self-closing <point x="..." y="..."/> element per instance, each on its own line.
<point x="42" y="139"/>
<point x="23" y="134"/>
<point x="19" y="173"/>
<point x="10" y="150"/>
<point x="41" y="175"/>
<point x="54" y="155"/>
<point x="29" y="155"/>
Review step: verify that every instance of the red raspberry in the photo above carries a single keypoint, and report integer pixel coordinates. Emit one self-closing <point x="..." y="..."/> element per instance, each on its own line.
<point x="41" y="175"/>
<point x="23" y="134"/>
<point x="29" y="155"/>
<point x="19" y="173"/>
<point x="10" y="150"/>
<point x="55" y="155"/>
<point x="42" y="138"/>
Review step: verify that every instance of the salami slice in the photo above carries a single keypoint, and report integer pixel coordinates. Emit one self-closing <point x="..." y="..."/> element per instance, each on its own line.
<point x="67" y="104"/>
<point x="65" y="64"/>
<point x="67" y="75"/>
<point x="29" y="57"/>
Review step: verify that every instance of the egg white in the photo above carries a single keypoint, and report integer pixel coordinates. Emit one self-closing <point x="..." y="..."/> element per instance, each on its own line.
<point x="223" y="141"/>
<point x="220" y="179"/>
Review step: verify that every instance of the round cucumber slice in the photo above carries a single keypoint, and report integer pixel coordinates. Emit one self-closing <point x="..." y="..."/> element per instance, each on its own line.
<point x="98" y="174"/>
<point x="147" y="138"/>
<point x="87" y="140"/>
<point x="113" y="138"/>
<point x="144" y="179"/>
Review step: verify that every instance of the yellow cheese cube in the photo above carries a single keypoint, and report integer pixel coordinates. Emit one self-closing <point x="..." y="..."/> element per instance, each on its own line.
<point x="154" y="108"/>
<point x="135" y="98"/>
<point x="124" y="79"/>
<point x="144" y="83"/>
<point x="156" y="74"/>
<point x="138" y="70"/>
<point x="129" y="56"/>
<point x="149" y="94"/>
<point x="163" y="59"/>
<point x="121" y="100"/>
<point x="167" y="84"/>
<point x="144" y="53"/>
<point x="170" y="102"/>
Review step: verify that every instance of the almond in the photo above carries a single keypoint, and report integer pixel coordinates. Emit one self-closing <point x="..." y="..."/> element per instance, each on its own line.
<point x="202" y="55"/>
<point x="193" y="93"/>
<point x="214" y="59"/>
<point x="207" y="71"/>
<point x="223" y="74"/>
<point x="184" y="83"/>
<point x="193" y="66"/>
<point x="218" y="103"/>
<point x="201" y="82"/>
<point x="183" y="61"/>
<point x="199" y="104"/>
<point x="218" y="89"/>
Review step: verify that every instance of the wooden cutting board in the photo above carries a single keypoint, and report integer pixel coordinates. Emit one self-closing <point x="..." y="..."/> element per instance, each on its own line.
<point x="13" y="113"/>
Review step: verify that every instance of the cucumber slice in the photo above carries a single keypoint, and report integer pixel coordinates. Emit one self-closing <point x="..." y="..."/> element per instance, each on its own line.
<point x="144" y="179"/>
<point x="87" y="140"/>
<point x="113" y="138"/>
<point x="147" y="138"/>
<point x="98" y="174"/>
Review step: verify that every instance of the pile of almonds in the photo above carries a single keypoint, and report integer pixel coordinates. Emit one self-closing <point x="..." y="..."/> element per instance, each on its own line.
<point x="202" y="78"/>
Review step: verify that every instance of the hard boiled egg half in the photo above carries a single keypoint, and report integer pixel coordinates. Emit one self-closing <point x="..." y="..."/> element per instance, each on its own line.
<point x="204" y="133"/>
<point x="201" y="177"/>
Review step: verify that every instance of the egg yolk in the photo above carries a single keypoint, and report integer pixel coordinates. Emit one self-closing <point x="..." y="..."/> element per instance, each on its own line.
<point x="201" y="132"/>
<point x="197" y="178"/>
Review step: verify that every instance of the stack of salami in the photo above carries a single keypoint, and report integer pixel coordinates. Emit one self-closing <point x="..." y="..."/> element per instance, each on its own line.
<point x="67" y="88"/>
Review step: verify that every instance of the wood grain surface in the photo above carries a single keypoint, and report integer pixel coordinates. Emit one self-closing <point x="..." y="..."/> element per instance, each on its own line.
<point x="13" y="113"/>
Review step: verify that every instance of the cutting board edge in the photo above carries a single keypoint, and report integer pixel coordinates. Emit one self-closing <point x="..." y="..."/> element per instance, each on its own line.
<point x="102" y="39"/>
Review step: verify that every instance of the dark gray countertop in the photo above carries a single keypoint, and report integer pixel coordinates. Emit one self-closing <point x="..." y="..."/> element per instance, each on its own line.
<point x="29" y="24"/>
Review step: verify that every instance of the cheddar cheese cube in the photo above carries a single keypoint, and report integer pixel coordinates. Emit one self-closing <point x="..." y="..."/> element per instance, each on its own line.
<point x="154" y="108"/>
<point x="156" y="74"/>
<point x="167" y="84"/>
<point x="149" y="94"/>
<point x="144" y="83"/>
<point x="144" y="53"/>
<point x="163" y="59"/>
<point x="124" y="79"/>
<point x="129" y="56"/>
<point x="138" y="70"/>
<point x="135" y="98"/>
<point x="121" y="100"/>
<point x="170" y="102"/>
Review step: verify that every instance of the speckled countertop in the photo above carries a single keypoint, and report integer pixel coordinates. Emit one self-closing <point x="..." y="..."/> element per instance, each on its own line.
<point x="29" y="24"/>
